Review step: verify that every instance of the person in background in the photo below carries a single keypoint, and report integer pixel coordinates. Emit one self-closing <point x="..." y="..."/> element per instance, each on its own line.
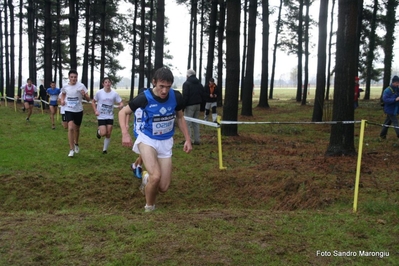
<point x="211" y="92"/>
<point x="161" y="106"/>
<point x="71" y="97"/>
<point x="29" y="94"/>
<point x="357" y="92"/>
<point x="103" y="106"/>
<point x="53" y="94"/>
<point x="193" y="95"/>
<point x="64" y="123"/>
<point x="390" y="98"/>
<point x="137" y="166"/>
<point x="43" y="97"/>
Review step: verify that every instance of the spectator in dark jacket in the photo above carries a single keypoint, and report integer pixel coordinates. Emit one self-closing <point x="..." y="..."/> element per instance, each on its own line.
<point x="390" y="97"/>
<point x="193" y="95"/>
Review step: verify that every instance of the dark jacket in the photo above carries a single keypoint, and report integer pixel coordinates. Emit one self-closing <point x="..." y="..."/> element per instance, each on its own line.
<point x="193" y="91"/>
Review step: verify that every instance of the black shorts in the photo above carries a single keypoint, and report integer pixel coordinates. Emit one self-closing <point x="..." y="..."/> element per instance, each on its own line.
<point x="75" y="117"/>
<point x="104" y="122"/>
<point x="63" y="117"/>
<point x="30" y="102"/>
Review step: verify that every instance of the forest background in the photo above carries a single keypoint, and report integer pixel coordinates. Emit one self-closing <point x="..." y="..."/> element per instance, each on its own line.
<point x="92" y="34"/>
<point x="280" y="200"/>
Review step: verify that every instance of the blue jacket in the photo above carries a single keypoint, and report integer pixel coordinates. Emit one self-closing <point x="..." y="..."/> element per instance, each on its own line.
<point x="389" y="96"/>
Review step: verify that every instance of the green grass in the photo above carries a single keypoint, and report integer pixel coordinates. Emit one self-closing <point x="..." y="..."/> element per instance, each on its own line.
<point x="279" y="201"/>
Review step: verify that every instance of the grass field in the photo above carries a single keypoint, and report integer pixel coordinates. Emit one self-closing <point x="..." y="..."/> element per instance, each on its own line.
<point x="280" y="200"/>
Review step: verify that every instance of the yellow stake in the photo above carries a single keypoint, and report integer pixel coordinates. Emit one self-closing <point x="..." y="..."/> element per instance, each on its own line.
<point x="359" y="165"/>
<point x="221" y="167"/>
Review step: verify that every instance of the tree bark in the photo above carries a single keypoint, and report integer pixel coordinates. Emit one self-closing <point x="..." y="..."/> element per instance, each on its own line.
<point x="160" y="34"/>
<point x="342" y="134"/>
<point x="249" y="71"/>
<point x="263" y="102"/>
<point x="321" y="63"/>
<point x="48" y="49"/>
<point x="275" y="49"/>
<point x="73" y="32"/>
<point x="230" y="107"/>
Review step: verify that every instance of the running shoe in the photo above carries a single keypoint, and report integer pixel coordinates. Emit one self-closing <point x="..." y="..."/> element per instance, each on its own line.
<point x="77" y="148"/>
<point x="149" y="208"/>
<point x="98" y="135"/>
<point x="71" y="153"/>
<point x="137" y="170"/>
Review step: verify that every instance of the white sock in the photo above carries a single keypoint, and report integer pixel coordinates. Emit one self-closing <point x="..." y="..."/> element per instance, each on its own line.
<point x="106" y="143"/>
<point x="214" y="117"/>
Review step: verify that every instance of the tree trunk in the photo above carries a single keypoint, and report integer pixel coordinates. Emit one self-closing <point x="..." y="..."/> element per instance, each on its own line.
<point x="306" y="36"/>
<point x="390" y="22"/>
<point x="342" y="135"/>
<point x="275" y="50"/>
<point x="149" y="48"/>
<point x="132" y="78"/>
<point x="263" y="102"/>
<point x="2" y="63"/>
<point x="244" y="47"/>
<point x="329" y="73"/>
<point x="300" y="52"/>
<point x="73" y="30"/>
<point x="321" y="63"/>
<point x="222" y="19"/>
<point x="199" y="76"/>
<point x="371" y="51"/>
<point x="21" y="8"/>
<point x="12" y="46"/>
<point x="249" y="72"/>
<point x="160" y="34"/>
<point x="195" y="26"/>
<point x="230" y="107"/>
<point x="141" y="46"/>
<point x="48" y="49"/>
<point x="85" y="66"/>
<point x="190" y="35"/>
<point x="9" y="90"/>
<point x="103" y="29"/>
<point x="92" y="61"/>
<point x="211" y="41"/>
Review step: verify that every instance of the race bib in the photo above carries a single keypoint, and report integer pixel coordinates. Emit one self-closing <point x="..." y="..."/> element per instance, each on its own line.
<point x="162" y="125"/>
<point x="28" y="97"/>
<point x="72" y="102"/>
<point x="106" y="109"/>
<point x="53" y="97"/>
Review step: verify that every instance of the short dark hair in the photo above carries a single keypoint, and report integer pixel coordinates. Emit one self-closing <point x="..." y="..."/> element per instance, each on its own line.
<point x="164" y="74"/>
<point x="212" y="80"/>
<point x="72" y="71"/>
<point x="104" y="79"/>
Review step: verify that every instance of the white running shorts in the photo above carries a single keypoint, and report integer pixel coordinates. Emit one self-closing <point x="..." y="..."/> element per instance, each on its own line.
<point x="163" y="147"/>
